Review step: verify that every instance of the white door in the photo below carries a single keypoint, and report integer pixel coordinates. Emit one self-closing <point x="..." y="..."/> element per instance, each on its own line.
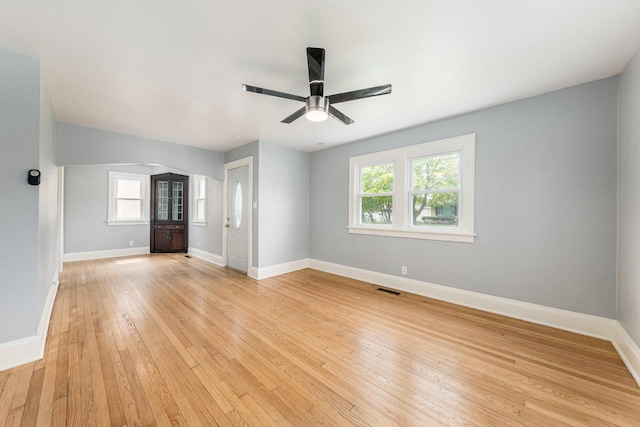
<point x="237" y="218"/>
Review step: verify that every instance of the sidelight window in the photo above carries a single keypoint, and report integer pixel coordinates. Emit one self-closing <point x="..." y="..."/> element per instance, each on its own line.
<point x="200" y="200"/>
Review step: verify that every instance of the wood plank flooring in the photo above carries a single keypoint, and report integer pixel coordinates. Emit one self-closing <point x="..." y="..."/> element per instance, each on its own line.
<point x="170" y="340"/>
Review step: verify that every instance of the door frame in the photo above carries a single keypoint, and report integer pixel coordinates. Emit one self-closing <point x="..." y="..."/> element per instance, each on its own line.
<point x="246" y="161"/>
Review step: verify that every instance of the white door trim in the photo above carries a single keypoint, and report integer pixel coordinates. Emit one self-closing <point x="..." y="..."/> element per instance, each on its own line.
<point x="246" y="161"/>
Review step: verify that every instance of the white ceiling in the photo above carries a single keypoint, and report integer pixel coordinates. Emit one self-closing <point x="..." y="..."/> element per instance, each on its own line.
<point x="173" y="70"/>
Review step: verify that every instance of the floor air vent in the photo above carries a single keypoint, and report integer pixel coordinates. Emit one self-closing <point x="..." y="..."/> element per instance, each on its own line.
<point x="389" y="291"/>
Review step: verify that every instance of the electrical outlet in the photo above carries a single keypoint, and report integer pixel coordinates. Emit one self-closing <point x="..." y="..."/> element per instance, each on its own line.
<point x="404" y="269"/>
<point x="198" y="244"/>
<point x="130" y="242"/>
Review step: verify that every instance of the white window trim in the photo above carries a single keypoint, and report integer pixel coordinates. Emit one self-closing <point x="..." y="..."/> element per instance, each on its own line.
<point x="197" y="181"/>
<point x="401" y="157"/>
<point x="144" y="180"/>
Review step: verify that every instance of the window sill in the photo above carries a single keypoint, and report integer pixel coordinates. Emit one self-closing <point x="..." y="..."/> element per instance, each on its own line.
<point x="410" y="234"/>
<point x="134" y="222"/>
<point x="199" y="223"/>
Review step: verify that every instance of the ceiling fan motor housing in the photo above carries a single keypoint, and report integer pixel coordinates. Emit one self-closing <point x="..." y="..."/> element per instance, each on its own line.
<point x="317" y="108"/>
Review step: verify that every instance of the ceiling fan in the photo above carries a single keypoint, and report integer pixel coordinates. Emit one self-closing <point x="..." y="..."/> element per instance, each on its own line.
<point x="317" y="106"/>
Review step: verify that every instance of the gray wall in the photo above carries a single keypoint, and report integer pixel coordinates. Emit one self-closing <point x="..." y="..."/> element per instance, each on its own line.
<point x="209" y="237"/>
<point x="79" y="145"/>
<point x="545" y="204"/>
<point x="629" y="199"/>
<point x="250" y="150"/>
<point x="86" y="190"/>
<point x="19" y="139"/>
<point x="281" y="190"/>
<point x="284" y="205"/>
<point x="28" y="217"/>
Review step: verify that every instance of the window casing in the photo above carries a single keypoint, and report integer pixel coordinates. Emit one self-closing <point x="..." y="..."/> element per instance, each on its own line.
<point x="128" y="202"/>
<point x="423" y="191"/>
<point x="200" y="200"/>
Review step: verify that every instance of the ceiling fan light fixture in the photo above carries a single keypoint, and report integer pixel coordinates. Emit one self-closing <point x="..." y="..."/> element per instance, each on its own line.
<point x="317" y="109"/>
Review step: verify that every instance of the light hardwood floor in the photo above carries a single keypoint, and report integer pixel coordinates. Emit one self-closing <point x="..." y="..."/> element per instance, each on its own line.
<point x="165" y="339"/>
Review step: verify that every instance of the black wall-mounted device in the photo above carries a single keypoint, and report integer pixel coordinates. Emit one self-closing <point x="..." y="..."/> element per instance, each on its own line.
<point x="34" y="177"/>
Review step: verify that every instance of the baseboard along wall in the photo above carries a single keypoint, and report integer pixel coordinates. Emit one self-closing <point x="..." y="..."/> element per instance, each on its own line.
<point x="207" y="256"/>
<point x="628" y="350"/>
<point x="260" y="273"/>
<point x="30" y="349"/>
<point x="112" y="253"/>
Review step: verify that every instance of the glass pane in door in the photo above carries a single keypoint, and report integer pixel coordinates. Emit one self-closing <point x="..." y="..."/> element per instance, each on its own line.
<point x="177" y="207"/>
<point x="162" y="197"/>
<point x="237" y="205"/>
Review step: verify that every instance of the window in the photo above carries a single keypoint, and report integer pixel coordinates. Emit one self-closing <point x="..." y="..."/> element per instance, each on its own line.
<point x="423" y="191"/>
<point x="128" y="198"/>
<point x="435" y="190"/>
<point x="200" y="200"/>
<point x="375" y="197"/>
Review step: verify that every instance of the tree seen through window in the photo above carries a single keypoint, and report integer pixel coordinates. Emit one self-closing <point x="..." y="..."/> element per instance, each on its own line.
<point x="435" y="190"/>
<point x="376" y="199"/>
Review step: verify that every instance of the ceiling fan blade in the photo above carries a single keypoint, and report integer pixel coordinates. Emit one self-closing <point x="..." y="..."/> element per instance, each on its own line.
<point x="294" y="116"/>
<point x="339" y="116"/>
<point x="359" y="94"/>
<point x="315" y="59"/>
<point x="248" y="88"/>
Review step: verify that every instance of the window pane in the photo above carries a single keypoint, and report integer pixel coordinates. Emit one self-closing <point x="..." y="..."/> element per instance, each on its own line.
<point x="176" y="209"/>
<point x="436" y="209"/>
<point x="436" y="172"/>
<point x="163" y="200"/>
<point x="377" y="178"/>
<point x="128" y="188"/>
<point x="376" y="209"/>
<point x="128" y="209"/>
<point x="200" y="210"/>
<point x="201" y="188"/>
<point x="237" y="205"/>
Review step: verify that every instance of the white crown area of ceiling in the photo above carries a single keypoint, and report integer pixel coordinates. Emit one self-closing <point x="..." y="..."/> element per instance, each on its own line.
<point x="174" y="71"/>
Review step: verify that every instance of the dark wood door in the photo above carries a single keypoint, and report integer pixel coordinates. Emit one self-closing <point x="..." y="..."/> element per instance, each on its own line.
<point x="169" y="213"/>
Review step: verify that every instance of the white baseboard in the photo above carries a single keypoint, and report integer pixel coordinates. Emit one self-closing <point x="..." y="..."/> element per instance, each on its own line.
<point x="584" y="324"/>
<point x="207" y="256"/>
<point x="29" y="349"/>
<point x="112" y="253"/>
<point x="278" y="269"/>
<point x="628" y="351"/>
